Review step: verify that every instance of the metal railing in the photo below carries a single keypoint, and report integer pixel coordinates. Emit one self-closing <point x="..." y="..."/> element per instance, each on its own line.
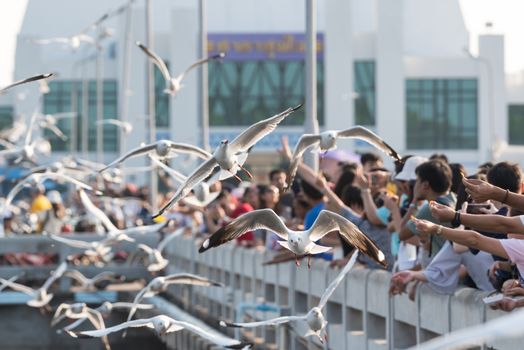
<point x="360" y="313"/>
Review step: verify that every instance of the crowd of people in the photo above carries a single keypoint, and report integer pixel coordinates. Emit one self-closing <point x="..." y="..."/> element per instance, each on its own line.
<point x="439" y="227"/>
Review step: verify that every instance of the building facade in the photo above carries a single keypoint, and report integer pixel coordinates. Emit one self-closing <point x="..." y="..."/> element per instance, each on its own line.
<point x="402" y="68"/>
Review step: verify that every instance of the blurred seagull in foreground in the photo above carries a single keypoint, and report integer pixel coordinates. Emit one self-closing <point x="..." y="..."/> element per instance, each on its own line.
<point x="50" y="121"/>
<point x="162" y="148"/>
<point x="327" y="140"/>
<point x="40" y="296"/>
<point x="174" y="84"/>
<point x="27" y="80"/>
<point x="229" y="156"/>
<point x="505" y="328"/>
<point x="314" y="318"/>
<point x="160" y="284"/>
<point x="299" y="242"/>
<point x="163" y="325"/>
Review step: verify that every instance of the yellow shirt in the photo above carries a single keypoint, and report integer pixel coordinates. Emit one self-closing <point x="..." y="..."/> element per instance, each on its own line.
<point x="40" y="204"/>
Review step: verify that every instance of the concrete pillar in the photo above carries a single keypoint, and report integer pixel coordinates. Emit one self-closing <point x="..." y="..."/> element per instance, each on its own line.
<point x="338" y="66"/>
<point x="389" y="74"/>
<point x="492" y="94"/>
<point x="184" y="126"/>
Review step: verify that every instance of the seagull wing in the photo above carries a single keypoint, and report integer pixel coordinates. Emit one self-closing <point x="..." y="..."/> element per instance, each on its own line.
<point x="217" y="339"/>
<point x="257" y="131"/>
<point x="71" y="242"/>
<point x="334" y="284"/>
<point x="254" y="220"/>
<point x="18" y="287"/>
<point x="200" y="174"/>
<point x="138" y="298"/>
<point x="12" y="279"/>
<point x="198" y="63"/>
<point x="133" y="153"/>
<point x="189" y="149"/>
<point x="103" y="276"/>
<point x="328" y="221"/>
<point x="99" y="214"/>
<point x="77" y="276"/>
<point x="145" y="248"/>
<point x="55" y="275"/>
<point x="187" y="278"/>
<point x="14" y="191"/>
<point x="55" y="130"/>
<point x="59" y="176"/>
<point x="370" y="137"/>
<point x="306" y="141"/>
<point x="170" y="236"/>
<point x="271" y="322"/>
<point x="147" y="322"/>
<point x="27" y="80"/>
<point x="123" y="305"/>
<point x="178" y="177"/>
<point x="157" y="61"/>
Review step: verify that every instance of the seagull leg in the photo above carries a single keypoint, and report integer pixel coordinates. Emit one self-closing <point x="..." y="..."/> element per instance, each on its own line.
<point x="296" y="261"/>
<point x="309" y="262"/>
<point x="237" y="177"/>
<point x="246" y="171"/>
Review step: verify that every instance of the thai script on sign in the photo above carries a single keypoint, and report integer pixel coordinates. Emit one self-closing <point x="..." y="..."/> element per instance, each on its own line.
<point x="253" y="47"/>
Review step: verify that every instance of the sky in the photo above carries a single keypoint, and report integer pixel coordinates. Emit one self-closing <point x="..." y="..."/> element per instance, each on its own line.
<point x="506" y="16"/>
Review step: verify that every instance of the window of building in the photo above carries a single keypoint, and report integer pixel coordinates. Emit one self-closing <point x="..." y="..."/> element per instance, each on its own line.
<point x="516" y="124"/>
<point x="441" y="113"/>
<point x="161" y="99"/>
<point x="67" y="96"/>
<point x="6" y="117"/>
<point x="243" y="92"/>
<point x="364" y="92"/>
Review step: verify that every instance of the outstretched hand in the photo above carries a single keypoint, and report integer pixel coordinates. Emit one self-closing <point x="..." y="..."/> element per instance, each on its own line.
<point x="479" y="190"/>
<point x="441" y="212"/>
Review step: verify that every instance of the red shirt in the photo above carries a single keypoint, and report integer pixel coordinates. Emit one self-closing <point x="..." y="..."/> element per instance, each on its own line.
<point x="243" y="208"/>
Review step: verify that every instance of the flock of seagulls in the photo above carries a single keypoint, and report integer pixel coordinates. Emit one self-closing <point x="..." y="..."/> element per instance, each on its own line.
<point x="226" y="161"/>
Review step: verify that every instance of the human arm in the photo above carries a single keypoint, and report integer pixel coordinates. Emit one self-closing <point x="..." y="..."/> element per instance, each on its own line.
<point x="482" y="191"/>
<point x="391" y="203"/>
<point x="482" y="222"/>
<point x="367" y="199"/>
<point x="400" y="279"/>
<point x="468" y="238"/>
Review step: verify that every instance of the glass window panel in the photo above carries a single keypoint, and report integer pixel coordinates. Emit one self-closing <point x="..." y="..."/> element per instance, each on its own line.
<point x="364" y="88"/>
<point x="441" y="113"/>
<point x="516" y="124"/>
<point x="243" y="92"/>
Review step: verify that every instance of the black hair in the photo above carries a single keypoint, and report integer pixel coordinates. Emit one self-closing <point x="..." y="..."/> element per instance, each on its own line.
<point x="439" y="156"/>
<point x="346" y="178"/>
<point x="369" y="157"/>
<point x="274" y="172"/>
<point x="399" y="164"/>
<point x="506" y="176"/>
<point x="351" y="196"/>
<point x="457" y="171"/>
<point x="436" y="173"/>
<point x="310" y="191"/>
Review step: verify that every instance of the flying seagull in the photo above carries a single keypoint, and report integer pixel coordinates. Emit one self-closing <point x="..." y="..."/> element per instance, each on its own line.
<point x="202" y="195"/>
<point x="162" y="325"/>
<point x="99" y="248"/>
<point x="92" y="284"/>
<point x="156" y="261"/>
<point x="125" y="127"/>
<point x="314" y="318"/>
<point x="163" y="148"/>
<point x="160" y="284"/>
<point x="73" y="41"/>
<point x="299" y="242"/>
<point x="106" y="308"/>
<point x="40" y="296"/>
<point x="327" y="140"/>
<point x="174" y="84"/>
<point x="27" y="80"/>
<point x="49" y="122"/>
<point x="230" y="156"/>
